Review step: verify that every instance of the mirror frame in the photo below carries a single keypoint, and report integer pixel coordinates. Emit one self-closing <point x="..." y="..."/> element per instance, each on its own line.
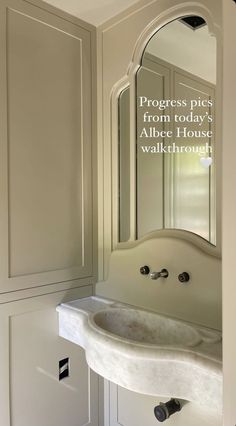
<point x="129" y="81"/>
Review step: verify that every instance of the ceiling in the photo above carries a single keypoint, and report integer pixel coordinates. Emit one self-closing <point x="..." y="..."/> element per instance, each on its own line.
<point x="93" y="11"/>
<point x="174" y="43"/>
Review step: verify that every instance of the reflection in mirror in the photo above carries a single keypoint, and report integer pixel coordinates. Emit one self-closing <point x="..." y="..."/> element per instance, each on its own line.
<point x="175" y="102"/>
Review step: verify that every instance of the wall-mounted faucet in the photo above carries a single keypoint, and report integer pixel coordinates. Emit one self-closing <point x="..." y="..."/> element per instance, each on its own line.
<point x="145" y="270"/>
<point x="161" y="274"/>
<point x="184" y="277"/>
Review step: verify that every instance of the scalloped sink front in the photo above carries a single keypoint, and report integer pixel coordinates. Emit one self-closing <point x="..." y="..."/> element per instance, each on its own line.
<point x="144" y="351"/>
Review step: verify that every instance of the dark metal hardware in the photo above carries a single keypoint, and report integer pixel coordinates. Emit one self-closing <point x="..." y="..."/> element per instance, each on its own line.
<point x="144" y="270"/>
<point x="164" y="410"/>
<point x="184" y="277"/>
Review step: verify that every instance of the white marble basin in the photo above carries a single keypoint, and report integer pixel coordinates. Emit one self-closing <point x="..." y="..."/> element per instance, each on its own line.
<point x="146" y="327"/>
<point x="144" y="351"/>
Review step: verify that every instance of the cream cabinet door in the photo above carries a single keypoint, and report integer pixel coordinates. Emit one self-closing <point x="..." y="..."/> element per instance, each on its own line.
<point x="45" y="148"/>
<point x="30" y="391"/>
<point x="126" y="408"/>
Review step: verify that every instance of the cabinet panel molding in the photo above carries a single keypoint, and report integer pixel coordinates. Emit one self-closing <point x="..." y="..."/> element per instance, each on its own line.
<point x="46" y="148"/>
<point x="30" y="392"/>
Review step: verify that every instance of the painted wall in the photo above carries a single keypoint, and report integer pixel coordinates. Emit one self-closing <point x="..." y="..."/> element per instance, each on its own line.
<point x="117" y="67"/>
<point x="198" y="301"/>
<point x="119" y="272"/>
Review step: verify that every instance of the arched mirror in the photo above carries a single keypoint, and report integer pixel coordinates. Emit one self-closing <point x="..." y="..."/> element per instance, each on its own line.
<point x="175" y="134"/>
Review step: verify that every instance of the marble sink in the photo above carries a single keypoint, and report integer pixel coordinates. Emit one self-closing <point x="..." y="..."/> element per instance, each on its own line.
<point x="144" y="351"/>
<point x="146" y="327"/>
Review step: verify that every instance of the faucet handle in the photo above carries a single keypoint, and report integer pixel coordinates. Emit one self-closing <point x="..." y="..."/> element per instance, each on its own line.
<point x="144" y="270"/>
<point x="184" y="277"/>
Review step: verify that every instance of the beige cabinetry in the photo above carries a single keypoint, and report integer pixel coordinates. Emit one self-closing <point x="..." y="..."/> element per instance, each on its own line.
<point x="30" y="390"/>
<point x="47" y="211"/>
<point x="132" y="409"/>
<point x="46" y="215"/>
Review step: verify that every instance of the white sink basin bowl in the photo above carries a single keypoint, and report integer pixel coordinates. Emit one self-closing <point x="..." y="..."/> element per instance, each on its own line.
<point x="145" y="327"/>
<point x="146" y="352"/>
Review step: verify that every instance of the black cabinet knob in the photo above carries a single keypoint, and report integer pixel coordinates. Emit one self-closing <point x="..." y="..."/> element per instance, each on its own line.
<point x="184" y="277"/>
<point x="144" y="270"/>
<point x="164" y="410"/>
